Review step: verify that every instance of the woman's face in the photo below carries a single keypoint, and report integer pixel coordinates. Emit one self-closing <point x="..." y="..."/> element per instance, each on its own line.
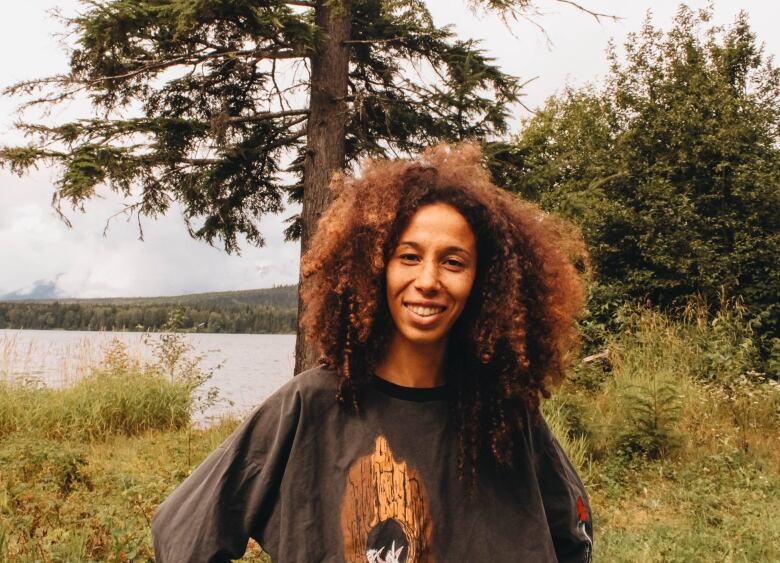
<point x="430" y="274"/>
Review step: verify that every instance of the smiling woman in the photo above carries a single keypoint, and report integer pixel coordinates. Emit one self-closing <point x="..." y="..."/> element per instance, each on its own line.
<point x="443" y="308"/>
<point x="429" y="279"/>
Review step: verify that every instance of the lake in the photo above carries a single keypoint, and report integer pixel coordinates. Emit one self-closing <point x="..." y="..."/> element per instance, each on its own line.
<point x="247" y="368"/>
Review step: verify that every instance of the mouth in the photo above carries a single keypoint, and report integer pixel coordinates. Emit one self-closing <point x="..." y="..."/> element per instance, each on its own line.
<point x="424" y="314"/>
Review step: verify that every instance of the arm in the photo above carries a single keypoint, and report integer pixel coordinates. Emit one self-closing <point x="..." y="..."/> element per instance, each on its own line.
<point x="230" y="496"/>
<point x="565" y="501"/>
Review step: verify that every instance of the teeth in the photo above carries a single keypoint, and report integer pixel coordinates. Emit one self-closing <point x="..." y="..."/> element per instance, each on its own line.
<point x="424" y="311"/>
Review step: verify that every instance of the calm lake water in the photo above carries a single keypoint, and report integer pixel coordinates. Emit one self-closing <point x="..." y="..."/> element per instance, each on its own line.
<point x="247" y="368"/>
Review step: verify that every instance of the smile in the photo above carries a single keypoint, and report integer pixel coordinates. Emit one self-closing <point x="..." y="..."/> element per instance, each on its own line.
<point x="424" y="311"/>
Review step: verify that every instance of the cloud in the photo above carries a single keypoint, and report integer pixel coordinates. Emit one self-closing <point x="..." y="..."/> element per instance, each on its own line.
<point x="36" y="245"/>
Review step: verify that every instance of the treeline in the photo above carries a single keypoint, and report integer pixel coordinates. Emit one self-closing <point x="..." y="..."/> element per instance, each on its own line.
<point x="269" y="311"/>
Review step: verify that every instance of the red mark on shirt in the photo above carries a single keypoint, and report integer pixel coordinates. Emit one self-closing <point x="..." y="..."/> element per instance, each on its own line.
<point x="583" y="514"/>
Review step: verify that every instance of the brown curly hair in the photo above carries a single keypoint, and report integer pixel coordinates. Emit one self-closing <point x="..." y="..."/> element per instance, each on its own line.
<point x="516" y="333"/>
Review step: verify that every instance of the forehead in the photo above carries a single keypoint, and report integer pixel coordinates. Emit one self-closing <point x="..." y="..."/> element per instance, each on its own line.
<point x="439" y="224"/>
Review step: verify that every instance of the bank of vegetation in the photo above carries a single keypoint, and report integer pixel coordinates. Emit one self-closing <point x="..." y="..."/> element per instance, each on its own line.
<point x="257" y="311"/>
<point x="671" y="169"/>
<point x="673" y="429"/>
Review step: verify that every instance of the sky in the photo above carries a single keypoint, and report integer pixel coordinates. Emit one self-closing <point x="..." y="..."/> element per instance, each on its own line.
<point x="41" y="257"/>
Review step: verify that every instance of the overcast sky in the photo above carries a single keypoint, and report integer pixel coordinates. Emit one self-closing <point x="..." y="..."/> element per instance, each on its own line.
<point x="40" y="256"/>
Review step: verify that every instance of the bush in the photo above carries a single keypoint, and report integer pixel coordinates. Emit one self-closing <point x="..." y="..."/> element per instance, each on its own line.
<point x="666" y="377"/>
<point x="652" y="413"/>
<point x="670" y="168"/>
<point x="121" y="396"/>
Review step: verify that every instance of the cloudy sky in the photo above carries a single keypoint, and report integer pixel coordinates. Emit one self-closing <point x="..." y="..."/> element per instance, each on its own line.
<point x="40" y="256"/>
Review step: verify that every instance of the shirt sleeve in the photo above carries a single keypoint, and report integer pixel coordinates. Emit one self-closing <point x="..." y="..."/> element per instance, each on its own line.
<point x="230" y="496"/>
<point x="565" y="501"/>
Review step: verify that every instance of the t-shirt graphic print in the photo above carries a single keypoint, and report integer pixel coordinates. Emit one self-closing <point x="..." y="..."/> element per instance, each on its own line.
<point x="385" y="514"/>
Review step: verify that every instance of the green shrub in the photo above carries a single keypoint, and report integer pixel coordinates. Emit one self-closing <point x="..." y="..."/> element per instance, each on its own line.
<point x="120" y="396"/>
<point x="665" y="382"/>
<point x="724" y="346"/>
<point x="129" y="403"/>
<point x="52" y="464"/>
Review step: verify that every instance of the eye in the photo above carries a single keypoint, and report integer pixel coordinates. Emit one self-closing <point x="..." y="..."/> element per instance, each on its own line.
<point x="408" y="257"/>
<point x="454" y="263"/>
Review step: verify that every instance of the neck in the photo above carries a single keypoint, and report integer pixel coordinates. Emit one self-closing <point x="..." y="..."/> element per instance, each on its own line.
<point x="413" y="365"/>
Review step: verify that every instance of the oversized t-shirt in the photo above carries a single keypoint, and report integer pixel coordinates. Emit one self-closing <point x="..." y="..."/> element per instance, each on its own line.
<point x="311" y="481"/>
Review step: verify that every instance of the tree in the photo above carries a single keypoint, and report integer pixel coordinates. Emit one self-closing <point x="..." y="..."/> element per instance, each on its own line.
<point x="204" y="103"/>
<point x="671" y="168"/>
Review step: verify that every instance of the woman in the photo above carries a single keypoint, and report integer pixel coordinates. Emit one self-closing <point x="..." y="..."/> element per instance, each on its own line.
<point x="443" y="308"/>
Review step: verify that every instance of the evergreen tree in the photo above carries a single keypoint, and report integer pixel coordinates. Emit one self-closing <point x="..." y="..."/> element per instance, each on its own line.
<point x="207" y="102"/>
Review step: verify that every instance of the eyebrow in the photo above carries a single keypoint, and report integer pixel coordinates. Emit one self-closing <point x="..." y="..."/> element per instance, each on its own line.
<point x="452" y="248"/>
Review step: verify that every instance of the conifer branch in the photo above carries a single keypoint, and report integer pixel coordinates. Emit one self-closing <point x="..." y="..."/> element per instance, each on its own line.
<point x="276" y="85"/>
<point x="373" y="41"/>
<point x="265" y="116"/>
<point x="272" y="53"/>
<point x="275" y="144"/>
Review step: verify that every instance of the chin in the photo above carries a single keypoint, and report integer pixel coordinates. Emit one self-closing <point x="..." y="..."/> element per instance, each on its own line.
<point x="416" y="337"/>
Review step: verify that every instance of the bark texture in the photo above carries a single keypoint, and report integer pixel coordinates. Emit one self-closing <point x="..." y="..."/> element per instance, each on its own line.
<point x="328" y="113"/>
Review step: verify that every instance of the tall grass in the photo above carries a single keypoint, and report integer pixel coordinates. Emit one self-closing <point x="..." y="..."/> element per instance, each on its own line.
<point x="120" y="396"/>
<point x="84" y="465"/>
<point x="32" y="359"/>
<point x="665" y="380"/>
<point x="678" y="433"/>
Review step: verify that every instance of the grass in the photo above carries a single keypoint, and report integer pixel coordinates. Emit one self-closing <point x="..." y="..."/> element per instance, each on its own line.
<point x="675" y="436"/>
<point x="121" y="397"/>
<point x="83" y="466"/>
<point x="92" y="501"/>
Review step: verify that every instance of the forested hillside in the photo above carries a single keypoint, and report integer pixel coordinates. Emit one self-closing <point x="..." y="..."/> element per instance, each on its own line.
<point x="271" y="310"/>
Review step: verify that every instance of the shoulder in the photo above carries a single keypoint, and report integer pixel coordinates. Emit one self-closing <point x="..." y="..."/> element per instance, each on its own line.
<point x="306" y="397"/>
<point x="313" y="388"/>
<point x="314" y="382"/>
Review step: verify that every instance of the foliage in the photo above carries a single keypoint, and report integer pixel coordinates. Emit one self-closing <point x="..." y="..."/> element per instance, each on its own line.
<point x="658" y="372"/>
<point x="715" y="497"/>
<point x="98" y="444"/>
<point x="574" y="445"/>
<point x="651" y="420"/>
<point x="671" y="169"/>
<point x="202" y="103"/>
<point x="680" y="433"/>
<point x="122" y="396"/>
<point x="268" y="311"/>
<point x="64" y="500"/>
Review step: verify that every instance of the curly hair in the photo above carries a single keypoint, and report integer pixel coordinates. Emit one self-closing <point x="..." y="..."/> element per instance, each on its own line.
<point x="516" y="334"/>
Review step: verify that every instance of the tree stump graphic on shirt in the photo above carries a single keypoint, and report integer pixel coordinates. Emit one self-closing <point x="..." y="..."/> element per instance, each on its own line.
<point x="384" y="513"/>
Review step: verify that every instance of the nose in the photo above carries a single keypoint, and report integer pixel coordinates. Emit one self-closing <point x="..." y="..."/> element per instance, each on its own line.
<point x="428" y="280"/>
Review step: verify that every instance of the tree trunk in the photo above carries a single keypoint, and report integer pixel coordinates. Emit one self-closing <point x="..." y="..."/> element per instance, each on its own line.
<point x="327" y="122"/>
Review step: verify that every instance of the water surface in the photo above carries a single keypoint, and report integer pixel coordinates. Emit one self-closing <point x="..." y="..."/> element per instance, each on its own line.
<point x="247" y="368"/>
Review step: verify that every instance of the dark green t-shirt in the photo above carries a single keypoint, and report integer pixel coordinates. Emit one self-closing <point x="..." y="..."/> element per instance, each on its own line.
<point x="310" y="482"/>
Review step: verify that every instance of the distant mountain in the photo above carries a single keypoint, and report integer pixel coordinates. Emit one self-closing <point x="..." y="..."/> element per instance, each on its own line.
<point x="42" y="289"/>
